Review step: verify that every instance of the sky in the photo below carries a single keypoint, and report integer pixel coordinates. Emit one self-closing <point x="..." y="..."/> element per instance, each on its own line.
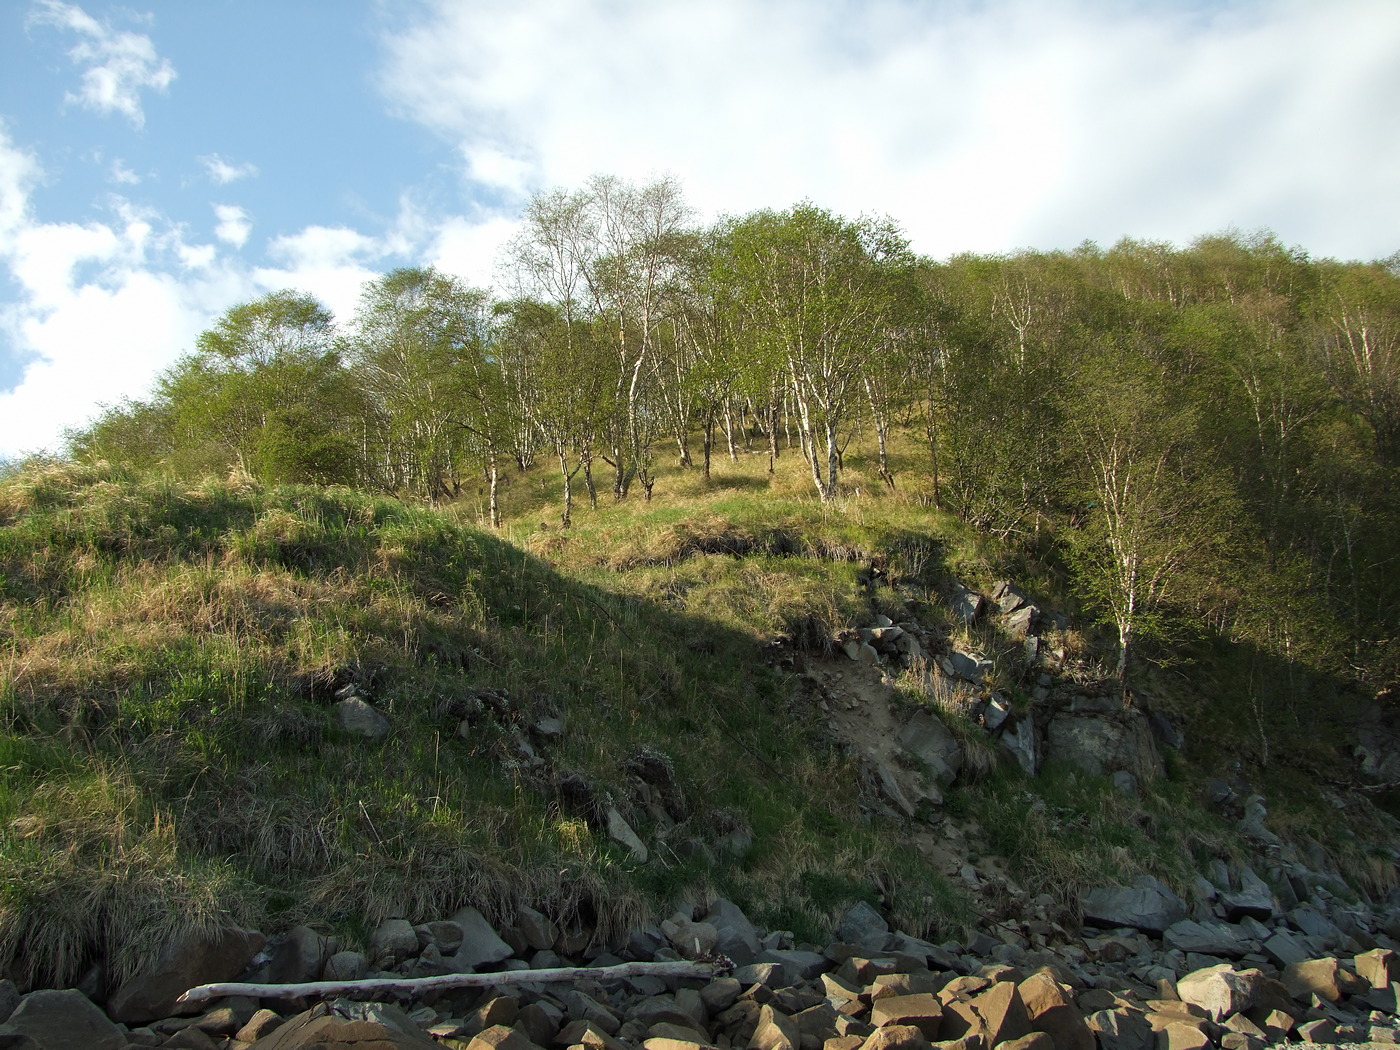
<point x="164" y="160"/>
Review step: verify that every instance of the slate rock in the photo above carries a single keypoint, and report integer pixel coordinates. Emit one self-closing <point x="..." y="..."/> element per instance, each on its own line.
<point x="1208" y="938"/>
<point x="863" y="926"/>
<point x="9" y="999"/>
<point x="1253" y="898"/>
<point x="1102" y="744"/>
<point x="933" y="744"/>
<point x="1148" y="906"/>
<point x="1121" y="1030"/>
<point x="621" y="832"/>
<point x="58" y="1020"/>
<point x="297" y="956"/>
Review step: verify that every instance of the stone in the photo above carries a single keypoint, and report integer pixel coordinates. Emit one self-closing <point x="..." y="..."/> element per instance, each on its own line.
<point x="357" y="717"/>
<point x="585" y="1033"/>
<point x="1284" y="949"/>
<point x="1208" y="938"/>
<point x="863" y="926"/>
<point x="922" y="1010"/>
<point x="1218" y="990"/>
<point x="1380" y="966"/>
<point x="930" y="742"/>
<point x="896" y="1037"/>
<point x="1102" y="743"/>
<point x="1311" y="977"/>
<point x="539" y="932"/>
<point x="1008" y="596"/>
<point x="480" y="945"/>
<point x="191" y="1039"/>
<point x="1021" y="739"/>
<point x="621" y="832"/>
<point x="262" y="1023"/>
<point x="1121" y="1030"/>
<point x="345" y="966"/>
<point x="9" y="999"/>
<point x="1021" y="623"/>
<point x="775" y="1031"/>
<point x="1148" y="906"/>
<point x="57" y="1020"/>
<point x="1253" y="898"/>
<point x="1034" y="1041"/>
<point x="1051" y="1011"/>
<point x="1179" y="1035"/>
<point x="188" y="960"/>
<point x="997" y="1014"/>
<point x="805" y="965"/>
<point x="967" y="604"/>
<point x="1323" y="1031"/>
<point x="394" y="938"/>
<point x="297" y="956"/>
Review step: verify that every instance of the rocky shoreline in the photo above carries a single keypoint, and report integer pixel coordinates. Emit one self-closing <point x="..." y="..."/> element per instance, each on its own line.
<point x="1138" y="976"/>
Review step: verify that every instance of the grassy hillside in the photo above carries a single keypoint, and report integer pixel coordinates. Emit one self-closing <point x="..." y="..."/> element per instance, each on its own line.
<point x="170" y="658"/>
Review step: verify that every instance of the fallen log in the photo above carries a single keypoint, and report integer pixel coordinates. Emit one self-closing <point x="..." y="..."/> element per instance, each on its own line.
<point x="411" y="986"/>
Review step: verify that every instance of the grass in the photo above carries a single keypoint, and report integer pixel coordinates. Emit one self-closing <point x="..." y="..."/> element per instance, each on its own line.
<point x="169" y="758"/>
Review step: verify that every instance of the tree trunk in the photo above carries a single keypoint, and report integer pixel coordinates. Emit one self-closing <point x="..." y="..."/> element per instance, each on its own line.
<point x="493" y="477"/>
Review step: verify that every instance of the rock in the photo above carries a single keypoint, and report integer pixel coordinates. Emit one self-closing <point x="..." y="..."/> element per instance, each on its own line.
<point x="539" y="932"/>
<point x="1034" y="1041"/>
<point x="775" y="1031"/>
<point x="1021" y="739"/>
<point x="1021" y="623"/>
<point x="1148" y="906"/>
<point x="1179" y="1035"/>
<point x="896" y="1037"/>
<point x="1380" y="966"/>
<point x="1052" y="1011"/>
<point x="691" y="939"/>
<point x="864" y="927"/>
<point x="9" y="999"/>
<point x="621" y="832"/>
<point x="932" y="743"/>
<point x="345" y="966"/>
<point x="1218" y="990"/>
<point x="297" y="956"/>
<point x="357" y="717"/>
<point x="262" y="1023"/>
<point x="1101" y="744"/>
<point x="1121" y="1030"/>
<point x="1320" y="1031"/>
<point x="480" y="943"/>
<point x="1125" y="783"/>
<point x="997" y="1014"/>
<point x="58" y="1020"/>
<point x="1285" y="949"/>
<point x="967" y="604"/>
<point x="1311" y="977"/>
<point x="922" y="1010"/>
<point x="1208" y="938"/>
<point x="394" y="938"/>
<point x="1253" y="899"/>
<point x="188" y="960"/>
<point x="1008" y="596"/>
<point x="807" y="966"/>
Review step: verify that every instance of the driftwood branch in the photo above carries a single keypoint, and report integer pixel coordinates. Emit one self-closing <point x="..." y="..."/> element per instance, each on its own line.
<point x="419" y="985"/>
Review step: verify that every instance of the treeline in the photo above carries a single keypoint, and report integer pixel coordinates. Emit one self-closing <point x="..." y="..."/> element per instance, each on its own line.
<point x="1214" y="430"/>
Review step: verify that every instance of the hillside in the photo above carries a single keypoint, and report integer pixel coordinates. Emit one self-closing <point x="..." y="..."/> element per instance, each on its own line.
<point x="233" y="704"/>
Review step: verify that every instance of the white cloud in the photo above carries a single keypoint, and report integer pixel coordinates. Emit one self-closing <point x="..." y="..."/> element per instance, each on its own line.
<point x="122" y="174"/>
<point x="234" y="226"/>
<point x="470" y="249"/>
<point x="979" y="127"/>
<point x="328" y="262"/>
<point x="222" y="172"/>
<point x="118" y="66"/>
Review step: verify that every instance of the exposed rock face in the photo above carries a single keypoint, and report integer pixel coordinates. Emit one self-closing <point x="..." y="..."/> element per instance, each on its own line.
<point x="1103" y="742"/>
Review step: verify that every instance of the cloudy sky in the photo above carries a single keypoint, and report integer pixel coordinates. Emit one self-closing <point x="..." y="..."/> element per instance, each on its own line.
<point x="161" y="161"/>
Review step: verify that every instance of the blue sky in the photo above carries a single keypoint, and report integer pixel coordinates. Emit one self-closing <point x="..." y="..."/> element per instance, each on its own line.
<point x="162" y="161"/>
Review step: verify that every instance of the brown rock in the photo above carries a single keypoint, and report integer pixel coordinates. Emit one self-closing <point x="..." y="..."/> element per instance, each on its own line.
<point x="1320" y="1031"/>
<point x="1240" y="1041"/>
<point x="1380" y="966"/>
<point x="896" y="1037"/>
<point x="1034" y="1041"/>
<point x="922" y="1010"/>
<point x="843" y="1042"/>
<point x="658" y="1042"/>
<point x="775" y="1031"/>
<point x="500" y="1037"/>
<point x="1051" y="1011"/>
<point x="1218" y="990"/>
<point x="187" y="961"/>
<point x="1311" y="977"/>
<point x="192" y="1038"/>
<point x="585" y="1033"/>
<point x="1180" y="1035"/>
<point x="678" y="1033"/>
<point x="1277" y="1024"/>
<point x="327" y="1032"/>
<point x="262" y="1023"/>
<point x="998" y="1015"/>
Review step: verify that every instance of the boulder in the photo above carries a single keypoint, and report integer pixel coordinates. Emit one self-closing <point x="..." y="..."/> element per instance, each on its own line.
<point x="297" y="956"/>
<point x="1253" y="899"/>
<point x="737" y="937"/>
<point x="1121" y="1030"/>
<point x="1208" y="938"/>
<point x="1051" y="1011"/>
<point x="58" y="1020"/>
<point x="997" y="1014"/>
<point x="187" y="961"/>
<point x="1218" y="990"/>
<point x="1148" y="906"/>
<point x="967" y="605"/>
<point x="1380" y="966"/>
<point x="1319" y="977"/>
<point x="480" y="943"/>
<point x="621" y="832"/>
<point x="1102" y="743"/>
<point x="896" y="1037"/>
<point x="394" y="939"/>
<point x="922" y="1010"/>
<point x="357" y="717"/>
<point x="930" y="742"/>
<point x="1008" y="596"/>
<point x="863" y="927"/>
